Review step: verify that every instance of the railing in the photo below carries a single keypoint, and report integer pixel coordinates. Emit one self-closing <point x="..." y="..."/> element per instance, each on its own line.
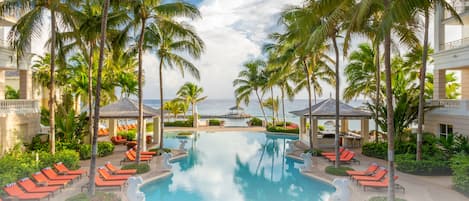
<point x="455" y="44"/>
<point x="19" y="106"/>
<point x="449" y="104"/>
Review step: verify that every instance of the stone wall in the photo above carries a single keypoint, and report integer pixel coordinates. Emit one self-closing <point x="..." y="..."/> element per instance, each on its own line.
<point x="17" y="128"/>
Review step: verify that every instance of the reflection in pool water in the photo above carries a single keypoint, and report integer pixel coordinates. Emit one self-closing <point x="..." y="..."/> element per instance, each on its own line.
<point x="236" y="166"/>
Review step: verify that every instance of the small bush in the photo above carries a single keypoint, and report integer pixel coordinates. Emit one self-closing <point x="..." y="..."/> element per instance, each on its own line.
<point x="159" y="151"/>
<point x="39" y="144"/>
<point x="142" y="168"/>
<point x="460" y="167"/>
<point x="377" y="150"/>
<point x="214" y="122"/>
<point x="179" y="124"/>
<point x="428" y="166"/>
<point x="255" y="122"/>
<point x="84" y="151"/>
<point x="282" y="130"/>
<point x="130" y="135"/>
<point x="99" y="196"/>
<point x="314" y="152"/>
<point x="341" y="171"/>
<point x="321" y="128"/>
<point x="149" y="127"/>
<point x="104" y="149"/>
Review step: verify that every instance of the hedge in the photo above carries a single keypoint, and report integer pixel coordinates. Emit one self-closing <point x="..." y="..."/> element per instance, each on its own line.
<point x="178" y="124"/>
<point x="141" y="168"/>
<point x="341" y="171"/>
<point x="428" y="166"/>
<point x="104" y="149"/>
<point x="282" y="130"/>
<point x="102" y="196"/>
<point x="214" y="122"/>
<point x="130" y="135"/>
<point x="377" y="150"/>
<point x="255" y="122"/>
<point x="460" y="166"/>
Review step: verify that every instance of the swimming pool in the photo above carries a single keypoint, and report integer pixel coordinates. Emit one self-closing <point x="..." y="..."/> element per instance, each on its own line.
<point x="235" y="166"/>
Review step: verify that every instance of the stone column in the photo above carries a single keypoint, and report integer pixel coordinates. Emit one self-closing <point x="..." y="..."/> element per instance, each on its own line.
<point x="26" y="84"/>
<point x="465" y="84"/>
<point x="439" y="29"/>
<point x="112" y="127"/>
<point x="315" y="133"/>
<point x="156" y="129"/>
<point x="365" y="124"/>
<point x="439" y="84"/>
<point x="343" y="125"/>
<point x="302" y="125"/>
<point x="144" y="136"/>
<point x="2" y="84"/>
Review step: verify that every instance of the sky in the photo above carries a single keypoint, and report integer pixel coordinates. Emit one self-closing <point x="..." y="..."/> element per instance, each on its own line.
<point x="233" y="32"/>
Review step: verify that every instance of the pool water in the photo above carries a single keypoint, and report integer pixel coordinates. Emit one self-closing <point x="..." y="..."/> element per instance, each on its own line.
<point x="235" y="166"/>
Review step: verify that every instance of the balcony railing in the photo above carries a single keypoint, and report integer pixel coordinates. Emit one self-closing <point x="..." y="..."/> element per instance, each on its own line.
<point x="462" y="105"/>
<point x="19" y="106"/>
<point x="455" y="44"/>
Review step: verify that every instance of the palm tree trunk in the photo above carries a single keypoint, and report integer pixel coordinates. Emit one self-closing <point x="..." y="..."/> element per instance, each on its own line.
<point x="283" y="109"/>
<point x="262" y="107"/>
<point x="389" y="107"/>
<point x="193" y="116"/>
<point x="161" y="103"/>
<point x="90" y="91"/>
<point x="422" y="87"/>
<point x="141" y="131"/>
<point x="337" y="96"/>
<point x="310" y="118"/>
<point x="378" y="89"/>
<point x="314" y="93"/>
<point x="52" y="82"/>
<point x="94" y="147"/>
<point x="273" y="106"/>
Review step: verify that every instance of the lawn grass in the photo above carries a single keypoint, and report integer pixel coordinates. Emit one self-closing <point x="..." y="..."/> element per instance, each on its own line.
<point x="341" y="171"/>
<point x="99" y="196"/>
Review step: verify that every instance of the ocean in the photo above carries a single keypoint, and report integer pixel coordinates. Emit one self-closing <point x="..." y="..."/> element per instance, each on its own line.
<point x="221" y="106"/>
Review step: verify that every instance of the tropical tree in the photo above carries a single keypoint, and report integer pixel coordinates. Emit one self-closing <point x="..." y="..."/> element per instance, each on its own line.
<point x="29" y="26"/>
<point x="249" y="81"/>
<point x="172" y="41"/>
<point x="190" y="92"/>
<point x="175" y="107"/>
<point x="273" y="105"/>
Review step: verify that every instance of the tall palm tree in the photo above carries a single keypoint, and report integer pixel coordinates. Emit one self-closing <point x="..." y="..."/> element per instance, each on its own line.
<point x="171" y="40"/>
<point x="146" y="11"/>
<point x="190" y="92"/>
<point x="94" y="147"/>
<point x="251" y="80"/>
<point x="29" y="26"/>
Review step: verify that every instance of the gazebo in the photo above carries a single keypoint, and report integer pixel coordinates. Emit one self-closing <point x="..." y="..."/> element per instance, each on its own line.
<point x="236" y="110"/>
<point x="127" y="108"/>
<point x="325" y="110"/>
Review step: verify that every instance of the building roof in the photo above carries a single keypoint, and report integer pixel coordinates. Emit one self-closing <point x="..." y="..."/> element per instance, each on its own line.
<point x="326" y="109"/>
<point x="126" y="108"/>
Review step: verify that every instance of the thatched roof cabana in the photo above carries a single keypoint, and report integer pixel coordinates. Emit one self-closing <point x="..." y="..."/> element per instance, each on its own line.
<point x="126" y="108"/>
<point x="326" y="110"/>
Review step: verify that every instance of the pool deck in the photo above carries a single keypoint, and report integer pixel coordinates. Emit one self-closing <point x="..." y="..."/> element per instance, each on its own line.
<point x="417" y="188"/>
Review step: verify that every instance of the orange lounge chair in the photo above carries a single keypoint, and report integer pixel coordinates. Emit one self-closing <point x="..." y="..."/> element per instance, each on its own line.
<point x="14" y="191"/>
<point x="114" y="170"/>
<point x="146" y="153"/>
<point x="54" y="176"/>
<point x="29" y="186"/>
<point x="134" y="153"/>
<point x="376" y="177"/>
<point x="342" y="155"/>
<point x="130" y="157"/>
<point x="372" y="168"/>
<point x="379" y="184"/>
<point x="63" y="170"/>
<point x="109" y="177"/>
<point x="98" y="182"/>
<point x="345" y="159"/>
<point x="43" y="180"/>
<point x="341" y="149"/>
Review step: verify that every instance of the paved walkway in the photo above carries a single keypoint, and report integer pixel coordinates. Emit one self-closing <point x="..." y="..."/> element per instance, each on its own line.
<point x="418" y="188"/>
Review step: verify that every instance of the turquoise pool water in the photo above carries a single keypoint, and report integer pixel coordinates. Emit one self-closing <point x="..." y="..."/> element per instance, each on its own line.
<point x="235" y="166"/>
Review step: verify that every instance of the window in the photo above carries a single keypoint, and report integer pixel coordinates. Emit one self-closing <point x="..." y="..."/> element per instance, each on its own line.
<point x="445" y="130"/>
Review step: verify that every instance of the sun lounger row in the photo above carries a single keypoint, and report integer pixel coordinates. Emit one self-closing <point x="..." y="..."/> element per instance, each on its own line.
<point x="48" y="182"/>
<point x="131" y="155"/>
<point x="346" y="156"/>
<point x="105" y="131"/>
<point x="374" y="177"/>
<point x="111" y="177"/>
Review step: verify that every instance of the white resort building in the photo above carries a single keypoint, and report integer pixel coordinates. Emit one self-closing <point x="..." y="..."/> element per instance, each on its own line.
<point x="19" y="118"/>
<point x="451" y="54"/>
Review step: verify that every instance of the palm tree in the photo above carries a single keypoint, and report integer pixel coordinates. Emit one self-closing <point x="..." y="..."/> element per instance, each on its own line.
<point x="29" y="26"/>
<point x="251" y="80"/>
<point x="190" y="92"/>
<point x="175" y="107"/>
<point x="94" y="147"/>
<point x="272" y="104"/>
<point x="170" y="40"/>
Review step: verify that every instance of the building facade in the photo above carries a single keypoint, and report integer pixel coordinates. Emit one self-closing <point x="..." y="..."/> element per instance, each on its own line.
<point x="451" y="54"/>
<point x="19" y="118"/>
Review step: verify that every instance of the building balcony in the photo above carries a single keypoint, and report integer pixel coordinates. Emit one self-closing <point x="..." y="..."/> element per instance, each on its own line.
<point x="8" y="58"/>
<point x="454" y="44"/>
<point x="453" y="56"/>
<point x="449" y="107"/>
<point x="462" y="8"/>
<point x="19" y="106"/>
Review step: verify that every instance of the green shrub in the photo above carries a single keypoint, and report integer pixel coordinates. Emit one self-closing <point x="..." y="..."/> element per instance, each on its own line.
<point x="142" y="168"/>
<point x="105" y="149"/>
<point x="255" y="122"/>
<point x="39" y="144"/>
<point x="314" y="152"/>
<point x="460" y="166"/>
<point x="130" y="135"/>
<point x="341" y="171"/>
<point x="84" y="151"/>
<point x="428" y="166"/>
<point x="282" y="130"/>
<point x="149" y="127"/>
<point x="101" y="196"/>
<point x="179" y="124"/>
<point x="159" y="151"/>
<point x="377" y="150"/>
<point x="321" y="128"/>
<point x="214" y="122"/>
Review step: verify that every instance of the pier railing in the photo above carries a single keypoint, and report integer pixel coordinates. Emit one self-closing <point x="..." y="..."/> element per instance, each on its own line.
<point x="19" y="106"/>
